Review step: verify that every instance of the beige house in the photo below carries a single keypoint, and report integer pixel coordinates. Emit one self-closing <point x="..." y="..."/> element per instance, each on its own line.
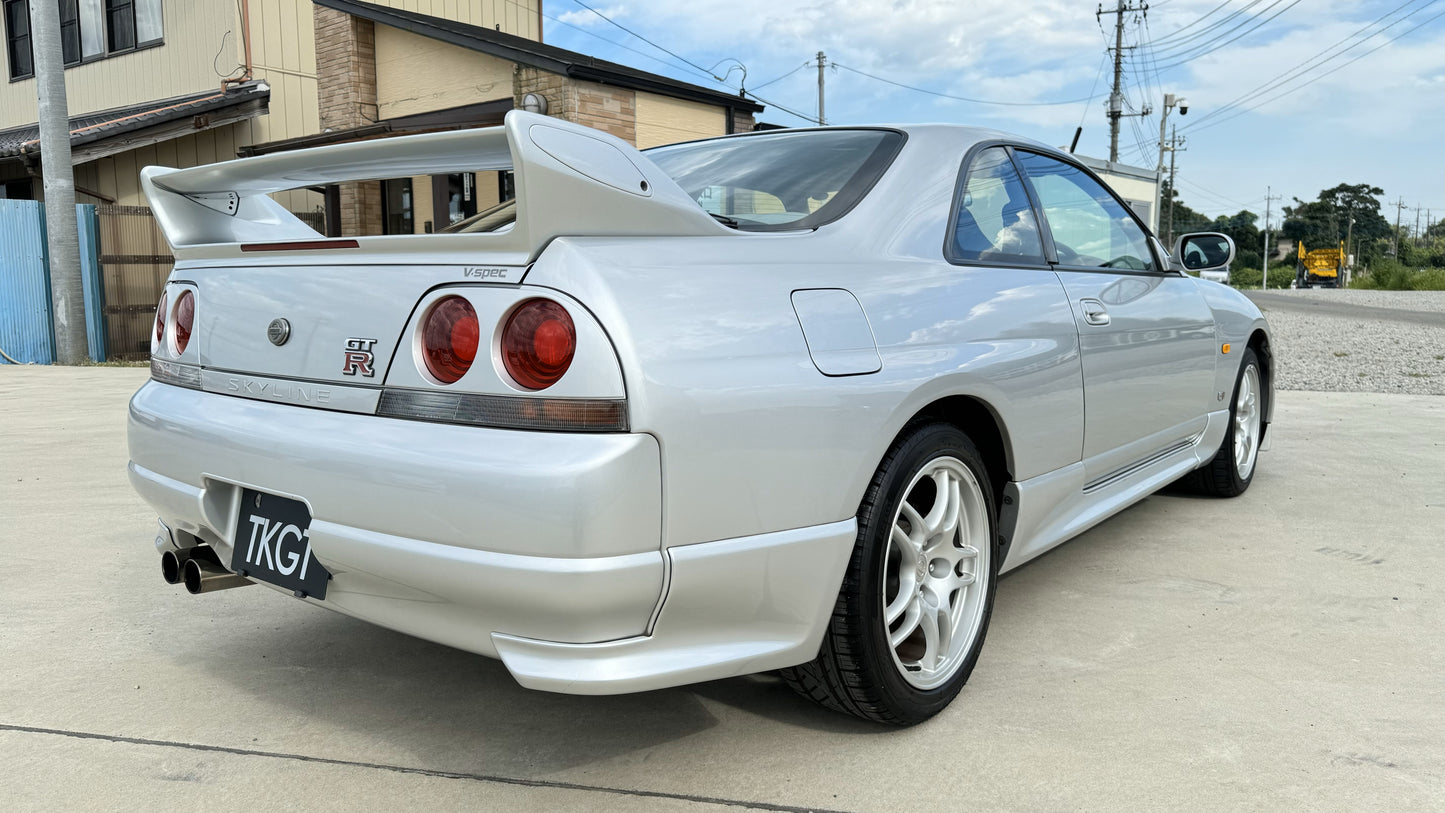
<point x="187" y="82"/>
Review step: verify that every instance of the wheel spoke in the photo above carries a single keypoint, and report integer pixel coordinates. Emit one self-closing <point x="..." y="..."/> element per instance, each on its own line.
<point x="906" y="546"/>
<point x="944" y="514"/>
<point x="911" y="618"/>
<point x="907" y="594"/>
<point x="932" y="646"/>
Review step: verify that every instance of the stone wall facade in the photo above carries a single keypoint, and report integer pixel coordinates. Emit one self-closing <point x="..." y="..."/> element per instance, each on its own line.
<point x="612" y="110"/>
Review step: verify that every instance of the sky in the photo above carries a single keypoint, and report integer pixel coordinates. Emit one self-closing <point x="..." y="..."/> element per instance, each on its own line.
<point x="1290" y="96"/>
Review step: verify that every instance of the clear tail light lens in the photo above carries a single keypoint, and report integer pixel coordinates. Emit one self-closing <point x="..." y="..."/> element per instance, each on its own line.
<point x="449" y="339"/>
<point x="538" y="343"/>
<point x="161" y="319"/>
<point x="185" y="318"/>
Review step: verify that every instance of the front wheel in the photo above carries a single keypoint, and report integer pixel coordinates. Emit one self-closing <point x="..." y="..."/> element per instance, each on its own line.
<point x="1232" y="469"/>
<point x="915" y="603"/>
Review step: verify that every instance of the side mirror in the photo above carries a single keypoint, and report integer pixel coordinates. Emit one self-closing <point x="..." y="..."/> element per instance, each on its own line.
<point x="1204" y="251"/>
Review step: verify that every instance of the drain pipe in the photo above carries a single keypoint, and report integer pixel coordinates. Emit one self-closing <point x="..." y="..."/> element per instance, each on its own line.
<point x="7" y="357"/>
<point x="246" y="44"/>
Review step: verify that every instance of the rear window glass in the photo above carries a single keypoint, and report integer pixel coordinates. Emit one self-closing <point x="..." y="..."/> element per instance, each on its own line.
<point x="784" y="180"/>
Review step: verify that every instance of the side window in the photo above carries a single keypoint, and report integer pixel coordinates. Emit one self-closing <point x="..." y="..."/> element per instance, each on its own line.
<point x="995" y="221"/>
<point x="1089" y="225"/>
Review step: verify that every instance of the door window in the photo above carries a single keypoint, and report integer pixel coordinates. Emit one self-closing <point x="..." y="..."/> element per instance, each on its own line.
<point x="1090" y="227"/>
<point x="995" y="221"/>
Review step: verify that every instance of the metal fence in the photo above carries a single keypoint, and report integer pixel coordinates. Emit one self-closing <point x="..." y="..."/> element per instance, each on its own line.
<point x="136" y="261"/>
<point x="26" y="324"/>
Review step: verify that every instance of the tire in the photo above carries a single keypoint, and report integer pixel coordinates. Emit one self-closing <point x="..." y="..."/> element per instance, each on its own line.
<point x="1232" y="469"/>
<point x="858" y="670"/>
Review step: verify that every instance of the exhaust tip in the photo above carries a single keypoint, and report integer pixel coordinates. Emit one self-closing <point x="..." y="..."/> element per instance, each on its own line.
<point x="191" y="576"/>
<point x="171" y="566"/>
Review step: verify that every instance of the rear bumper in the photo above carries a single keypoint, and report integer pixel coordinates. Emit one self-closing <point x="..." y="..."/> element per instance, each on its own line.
<point x="543" y="550"/>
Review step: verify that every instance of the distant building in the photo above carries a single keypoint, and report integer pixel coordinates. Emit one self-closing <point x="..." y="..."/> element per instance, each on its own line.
<point x="1138" y="187"/>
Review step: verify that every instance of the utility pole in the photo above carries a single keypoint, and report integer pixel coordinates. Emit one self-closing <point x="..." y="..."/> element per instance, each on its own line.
<point x="1417" y="227"/>
<point x="66" y="294"/>
<point x="822" y="63"/>
<point x="1269" y="198"/>
<point x="1176" y="145"/>
<point x="1116" y="99"/>
<point x="1399" y="209"/>
<point x="1170" y="102"/>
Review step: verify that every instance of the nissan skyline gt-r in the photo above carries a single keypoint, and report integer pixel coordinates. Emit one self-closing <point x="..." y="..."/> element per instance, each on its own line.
<point x="788" y="400"/>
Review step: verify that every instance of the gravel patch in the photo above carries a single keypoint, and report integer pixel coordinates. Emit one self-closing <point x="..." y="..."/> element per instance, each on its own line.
<point x="1335" y="353"/>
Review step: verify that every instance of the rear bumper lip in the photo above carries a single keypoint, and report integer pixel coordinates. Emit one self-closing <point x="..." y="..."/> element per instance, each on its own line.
<point x="733" y="607"/>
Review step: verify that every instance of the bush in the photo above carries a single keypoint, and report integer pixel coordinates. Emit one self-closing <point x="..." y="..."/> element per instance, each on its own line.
<point x="1248" y="278"/>
<point x="1389" y="275"/>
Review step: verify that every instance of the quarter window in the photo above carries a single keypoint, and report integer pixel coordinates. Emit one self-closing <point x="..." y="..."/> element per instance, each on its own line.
<point x="1090" y="227"/>
<point x="995" y="221"/>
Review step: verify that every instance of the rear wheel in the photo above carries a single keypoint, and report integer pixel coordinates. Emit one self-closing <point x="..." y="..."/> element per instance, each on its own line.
<point x="915" y="602"/>
<point x="1232" y="469"/>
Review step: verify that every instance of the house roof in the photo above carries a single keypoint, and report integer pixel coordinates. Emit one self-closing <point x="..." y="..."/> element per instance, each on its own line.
<point x="536" y="54"/>
<point x="94" y="127"/>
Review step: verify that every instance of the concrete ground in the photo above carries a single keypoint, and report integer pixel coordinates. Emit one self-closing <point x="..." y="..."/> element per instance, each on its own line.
<point x="1281" y="651"/>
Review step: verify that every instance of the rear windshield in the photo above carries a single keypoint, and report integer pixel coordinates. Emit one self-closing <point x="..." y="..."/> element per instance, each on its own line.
<point x="784" y="180"/>
<point x="772" y="182"/>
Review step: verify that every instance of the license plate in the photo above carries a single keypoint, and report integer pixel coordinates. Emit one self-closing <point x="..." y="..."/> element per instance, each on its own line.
<point x="273" y="544"/>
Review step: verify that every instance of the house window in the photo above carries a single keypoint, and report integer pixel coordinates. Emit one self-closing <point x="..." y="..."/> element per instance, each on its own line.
<point x="92" y="29"/>
<point x="396" y="206"/>
<point x="17" y="39"/>
<point x="120" y="24"/>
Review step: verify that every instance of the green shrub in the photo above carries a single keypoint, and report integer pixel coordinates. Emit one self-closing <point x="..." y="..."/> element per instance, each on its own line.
<point x="1248" y="278"/>
<point x="1389" y="275"/>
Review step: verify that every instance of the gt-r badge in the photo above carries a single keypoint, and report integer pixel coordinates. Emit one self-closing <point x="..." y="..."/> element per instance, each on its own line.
<point x="359" y="358"/>
<point x="278" y="331"/>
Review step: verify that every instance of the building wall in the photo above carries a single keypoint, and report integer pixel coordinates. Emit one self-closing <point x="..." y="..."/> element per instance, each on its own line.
<point x="665" y="120"/>
<point x="416" y="74"/>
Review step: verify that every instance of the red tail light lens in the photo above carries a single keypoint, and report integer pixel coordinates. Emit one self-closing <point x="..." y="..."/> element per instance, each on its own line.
<point x="185" y="317"/>
<point x="449" y="339"/>
<point x="161" y="318"/>
<point x="538" y="343"/>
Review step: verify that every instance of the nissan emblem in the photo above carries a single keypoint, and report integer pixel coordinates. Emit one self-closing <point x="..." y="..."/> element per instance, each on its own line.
<point x="278" y="331"/>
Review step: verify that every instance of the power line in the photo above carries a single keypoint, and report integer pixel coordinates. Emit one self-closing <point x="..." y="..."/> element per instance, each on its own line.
<point x="1211" y="47"/>
<point x="1315" y="61"/>
<point x="1187" y="26"/>
<point x="1304" y="85"/>
<point x="1173" y="41"/>
<point x="964" y="98"/>
<point x="785" y="76"/>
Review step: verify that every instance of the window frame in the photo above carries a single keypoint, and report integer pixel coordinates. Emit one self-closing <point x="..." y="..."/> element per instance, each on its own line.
<point x="102" y="23"/>
<point x="10" y="40"/>
<point x="1161" y="264"/>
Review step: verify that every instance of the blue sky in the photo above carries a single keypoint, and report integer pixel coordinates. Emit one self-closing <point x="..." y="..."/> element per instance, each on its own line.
<point x="1378" y="119"/>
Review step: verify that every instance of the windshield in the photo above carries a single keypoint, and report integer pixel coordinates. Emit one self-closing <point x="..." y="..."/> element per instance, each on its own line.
<point x="778" y="181"/>
<point x="783" y="180"/>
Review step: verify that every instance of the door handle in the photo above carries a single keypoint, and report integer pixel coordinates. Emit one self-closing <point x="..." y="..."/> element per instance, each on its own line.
<point x="1094" y="312"/>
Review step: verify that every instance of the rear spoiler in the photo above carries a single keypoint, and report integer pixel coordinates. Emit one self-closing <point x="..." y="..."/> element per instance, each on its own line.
<point x="569" y="179"/>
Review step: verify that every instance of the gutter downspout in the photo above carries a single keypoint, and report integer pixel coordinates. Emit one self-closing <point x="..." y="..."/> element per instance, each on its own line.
<point x="246" y="42"/>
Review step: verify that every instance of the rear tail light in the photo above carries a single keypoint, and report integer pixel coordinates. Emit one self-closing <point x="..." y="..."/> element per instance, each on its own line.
<point x="538" y="343"/>
<point x="161" y="318"/>
<point x="185" y="318"/>
<point x="449" y="339"/>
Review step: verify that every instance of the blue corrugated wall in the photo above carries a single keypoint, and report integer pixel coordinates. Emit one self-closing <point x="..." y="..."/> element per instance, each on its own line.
<point x="26" y="333"/>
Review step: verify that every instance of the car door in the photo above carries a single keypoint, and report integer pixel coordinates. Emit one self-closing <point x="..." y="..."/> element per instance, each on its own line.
<point x="1146" y="334"/>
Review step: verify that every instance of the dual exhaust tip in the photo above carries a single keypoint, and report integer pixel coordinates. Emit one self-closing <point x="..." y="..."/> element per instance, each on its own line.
<point x="200" y="569"/>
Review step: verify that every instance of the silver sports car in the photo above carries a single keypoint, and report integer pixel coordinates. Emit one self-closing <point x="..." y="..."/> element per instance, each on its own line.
<point x="786" y="401"/>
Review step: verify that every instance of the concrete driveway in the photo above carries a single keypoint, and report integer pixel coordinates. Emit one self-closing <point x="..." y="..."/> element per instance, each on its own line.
<point x="1281" y="651"/>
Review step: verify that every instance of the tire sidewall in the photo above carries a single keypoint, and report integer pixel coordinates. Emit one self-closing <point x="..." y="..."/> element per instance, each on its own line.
<point x="1250" y="358"/>
<point x="929" y="442"/>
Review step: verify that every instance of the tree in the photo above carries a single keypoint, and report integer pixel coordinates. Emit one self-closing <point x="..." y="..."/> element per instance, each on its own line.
<point x="1328" y="221"/>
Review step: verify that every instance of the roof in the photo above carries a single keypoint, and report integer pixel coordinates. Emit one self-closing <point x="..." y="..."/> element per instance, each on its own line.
<point x="536" y="54"/>
<point x="93" y="127"/>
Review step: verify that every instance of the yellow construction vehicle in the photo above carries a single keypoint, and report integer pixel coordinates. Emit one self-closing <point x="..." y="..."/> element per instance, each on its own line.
<point x="1324" y="267"/>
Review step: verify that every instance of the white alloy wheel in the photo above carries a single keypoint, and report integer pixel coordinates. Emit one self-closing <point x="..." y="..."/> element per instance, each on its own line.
<point x="935" y="585"/>
<point x="1247" y="422"/>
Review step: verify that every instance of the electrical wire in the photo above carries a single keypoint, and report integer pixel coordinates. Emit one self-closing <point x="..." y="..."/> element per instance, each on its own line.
<point x="1299" y="87"/>
<point x="1315" y="61"/>
<point x="785" y="76"/>
<point x="1176" y="32"/>
<point x="645" y="39"/>
<point x="1173" y="42"/>
<point x="963" y="98"/>
<point x="1211" y="47"/>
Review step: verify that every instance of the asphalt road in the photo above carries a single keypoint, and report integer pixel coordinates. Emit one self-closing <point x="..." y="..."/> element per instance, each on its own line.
<point x="1343" y="306"/>
<point x="1280" y="651"/>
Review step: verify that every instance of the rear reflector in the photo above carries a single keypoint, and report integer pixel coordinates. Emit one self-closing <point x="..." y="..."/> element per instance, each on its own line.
<point x="506" y="411"/>
<point x="301" y="245"/>
<point x="181" y="375"/>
